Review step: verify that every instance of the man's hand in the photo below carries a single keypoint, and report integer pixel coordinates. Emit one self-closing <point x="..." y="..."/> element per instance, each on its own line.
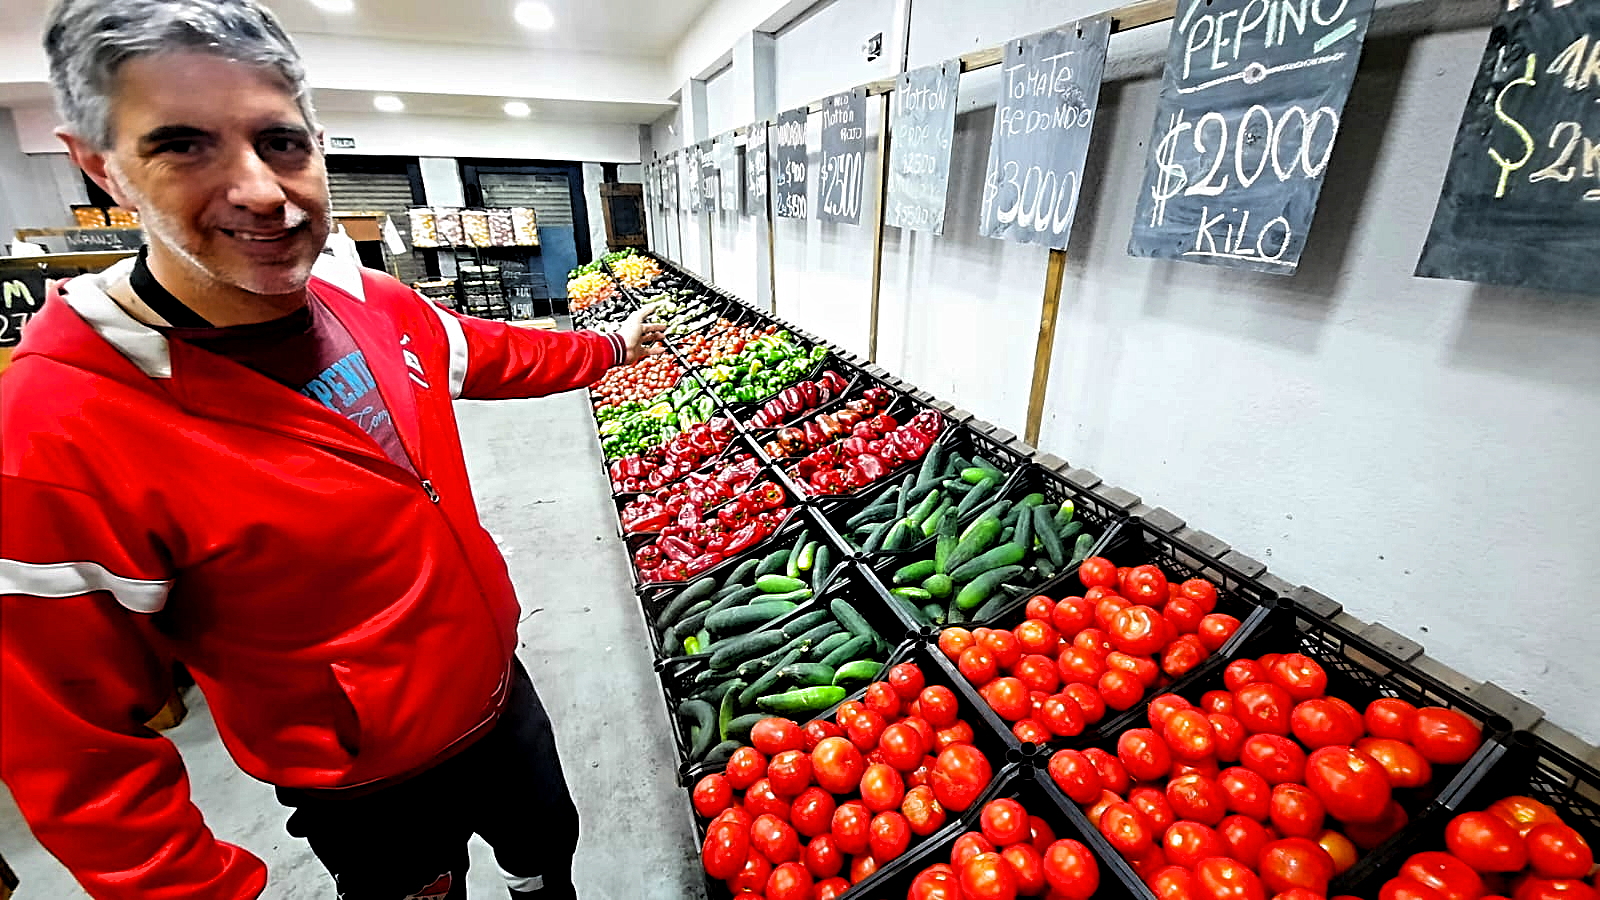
<point x="643" y="339"/>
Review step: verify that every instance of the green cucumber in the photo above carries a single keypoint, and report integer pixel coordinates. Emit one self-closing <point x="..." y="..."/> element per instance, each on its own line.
<point x="696" y="612"/>
<point x="702" y="719"/>
<point x="808" y="557"/>
<point x="939" y="585"/>
<point x="848" y="651"/>
<point x="791" y="565"/>
<point x="1049" y="541"/>
<point x="1080" y="550"/>
<point x="934" y="613"/>
<point x="798" y="596"/>
<point x="921" y="491"/>
<point x="1030" y="501"/>
<point x="996" y="511"/>
<point x="741" y="574"/>
<point x="916" y="571"/>
<point x="1068" y="531"/>
<point x="904" y="499"/>
<point x="860" y="670"/>
<point x="1065" y="513"/>
<point x="779" y="584"/>
<point x="761" y="685"/>
<point x="722" y="752"/>
<point x="821" y="567"/>
<point x="1046" y="569"/>
<point x="744" y="618"/>
<point x="931" y="524"/>
<point x="807" y="674"/>
<point x="853" y="621"/>
<point x="751" y="668"/>
<point x="739" y="729"/>
<point x="803" y="700"/>
<point x="804" y="625"/>
<point x="733" y="651"/>
<point x="976" y="496"/>
<point x="900" y="535"/>
<point x="949" y="536"/>
<point x="879" y="532"/>
<point x="716" y="692"/>
<point x="974" y="474"/>
<point x="830" y="644"/>
<point x="992" y="607"/>
<point x="932" y="465"/>
<point x="980" y="537"/>
<point x="1003" y="555"/>
<point x="875" y="513"/>
<point x="702" y="640"/>
<point x="914" y="595"/>
<point x="773" y="563"/>
<point x="925" y="509"/>
<point x="694" y="593"/>
<point x="726" y="709"/>
<point x="979" y="589"/>
<point x="1023" y="534"/>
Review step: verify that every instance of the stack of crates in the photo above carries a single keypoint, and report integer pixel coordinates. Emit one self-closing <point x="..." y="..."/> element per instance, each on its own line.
<point x="481" y="292"/>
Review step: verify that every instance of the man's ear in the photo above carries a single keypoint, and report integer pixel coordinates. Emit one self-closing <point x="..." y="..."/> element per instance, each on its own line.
<point x="94" y="164"/>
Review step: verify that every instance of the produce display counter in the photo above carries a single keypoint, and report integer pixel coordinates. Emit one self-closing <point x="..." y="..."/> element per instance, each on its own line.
<point x="827" y="557"/>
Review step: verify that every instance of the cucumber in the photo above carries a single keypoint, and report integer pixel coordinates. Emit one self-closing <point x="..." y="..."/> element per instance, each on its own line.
<point x="925" y="509"/>
<point x="1068" y="531"/>
<point x="955" y="464"/>
<point x="1003" y="555"/>
<point x="715" y="693"/>
<point x="799" y="596"/>
<point x="694" y="593"/>
<point x="914" y="595"/>
<point x="974" y="474"/>
<point x="979" y="589"/>
<point x="992" y="607"/>
<point x="808" y="557"/>
<point x="1080" y="550"/>
<point x="879" y="532"/>
<point x="848" y="651"/>
<point x="1030" y="501"/>
<point x="702" y="640"/>
<point x="931" y="524"/>
<point x="739" y="729"/>
<point x="932" y="465"/>
<point x="702" y="719"/>
<point x="807" y="674"/>
<point x="744" y="618"/>
<point x="722" y="752"/>
<point x="752" y="668"/>
<point x="830" y="644"/>
<point x="733" y="651"/>
<point x="742" y="573"/>
<point x="979" y="538"/>
<point x="917" y="571"/>
<point x="773" y="563"/>
<point x="921" y="491"/>
<point x="726" y="708"/>
<point x="821" y="567"/>
<point x="934" y="613"/>
<point x="1045" y="567"/>
<point x="958" y="488"/>
<point x="1049" y="541"/>
<point x="761" y="685"/>
<point x="918" y="613"/>
<point x="803" y="700"/>
<point x="804" y="625"/>
<point x="900" y="535"/>
<point x="1023" y="535"/>
<point x="1065" y="513"/>
<point x="939" y="585"/>
<point x="996" y="511"/>
<point x="791" y="565"/>
<point x="852" y="620"/>
<point x="949" y="536"/>
<point x="976" y="496"/>
<point x="779" y="584"/>
<point x="860" y="670"/>
<point x="904" y="499"/>
<point x="697" y="613"/>
<point x="875" y="513"/>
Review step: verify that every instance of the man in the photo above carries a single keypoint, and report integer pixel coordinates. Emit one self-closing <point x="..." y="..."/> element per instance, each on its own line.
<point x="232" y="455"/>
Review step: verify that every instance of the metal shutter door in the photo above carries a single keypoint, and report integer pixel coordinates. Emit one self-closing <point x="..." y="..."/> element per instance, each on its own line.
<point x="368" y="192"/>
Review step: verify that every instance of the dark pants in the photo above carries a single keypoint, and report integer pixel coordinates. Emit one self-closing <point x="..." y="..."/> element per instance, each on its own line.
<point x="409" y="840"/>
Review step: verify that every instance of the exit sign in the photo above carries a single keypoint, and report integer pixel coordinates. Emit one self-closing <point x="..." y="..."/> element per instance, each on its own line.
<point x="341" y="143"/>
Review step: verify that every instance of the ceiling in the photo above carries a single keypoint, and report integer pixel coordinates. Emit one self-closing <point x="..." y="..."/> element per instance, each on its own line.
<point x="475" y="106"/>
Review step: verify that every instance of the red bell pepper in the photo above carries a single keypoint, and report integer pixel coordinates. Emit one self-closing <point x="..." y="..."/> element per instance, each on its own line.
<point x="855" y="446"/>
<point x="877" y="396"/>
<point x="671" y="570"/>
<point x="676" y="548"/>
<point x="701" y="563"/>
<point x="647" y="557"/>
<point x="808" y="392"/>
<point x="745" y="538"/>
<point x="883" y="423"/>
<point x="860" y="406"/>
<point x="834" y="381"/>
<point x="870" y="467"/>
<point x="828" y="481"/>
<point x="766" y="495"/>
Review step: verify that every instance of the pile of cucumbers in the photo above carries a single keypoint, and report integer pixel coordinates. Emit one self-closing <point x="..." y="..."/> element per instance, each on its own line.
<point x="797" y="670"/>
<point x="1009" y="549"/>
<point x="946" y="485"/>
<point x="756" y="592"/>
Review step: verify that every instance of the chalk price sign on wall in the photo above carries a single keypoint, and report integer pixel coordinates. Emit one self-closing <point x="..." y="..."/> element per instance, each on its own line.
<point x="922" y="127"/>
<point x="755" y="170"/>
<point x="844" y="143"/>
<point x="1251" y="100"/>
<point x="1521" y="201"/>
<point x="787" y="146"/>
<point x="21" y="295"/>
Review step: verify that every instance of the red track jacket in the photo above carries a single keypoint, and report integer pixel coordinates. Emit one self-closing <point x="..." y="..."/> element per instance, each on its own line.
<point x="348" y="622"/>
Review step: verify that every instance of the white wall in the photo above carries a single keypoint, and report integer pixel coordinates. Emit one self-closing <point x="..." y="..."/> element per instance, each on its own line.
<point x="722" y="102"/>
<point x="36" y="191"/>
<point x="1420" y="450"/>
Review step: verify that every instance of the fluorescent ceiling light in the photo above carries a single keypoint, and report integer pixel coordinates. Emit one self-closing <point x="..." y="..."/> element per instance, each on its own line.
<point x="335" y="6"/>
<point x="535" y="15"/>
<point x="517" y="108"/>
<point x="388" y="103"/>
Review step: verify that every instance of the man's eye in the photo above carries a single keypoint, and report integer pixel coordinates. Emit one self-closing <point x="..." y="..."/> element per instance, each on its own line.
<point x="179" y="148"/>
<point x="285" y="145"/>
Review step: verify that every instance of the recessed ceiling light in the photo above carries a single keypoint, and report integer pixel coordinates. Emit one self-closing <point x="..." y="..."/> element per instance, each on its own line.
<point x="335" y="6"/>
<point x="517" y="108"/>
<point x="388" y="103"/>
<point x="535" y="15"/>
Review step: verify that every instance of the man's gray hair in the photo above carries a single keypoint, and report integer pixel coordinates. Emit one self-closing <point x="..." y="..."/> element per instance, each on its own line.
<point x="87" y="41"/>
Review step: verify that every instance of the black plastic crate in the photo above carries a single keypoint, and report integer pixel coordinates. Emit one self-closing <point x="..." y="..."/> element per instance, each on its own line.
<point x="1358" y="673"/>
<point x="1522" y="764"/>
<point x="739" y="443"/>
<point x="785" y="535"/>
<point x="1041" y="798"/>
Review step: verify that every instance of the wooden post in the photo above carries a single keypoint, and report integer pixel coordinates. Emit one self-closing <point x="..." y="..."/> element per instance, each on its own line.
<point x="877" y="227"/>
<point x="1053" y="276"/>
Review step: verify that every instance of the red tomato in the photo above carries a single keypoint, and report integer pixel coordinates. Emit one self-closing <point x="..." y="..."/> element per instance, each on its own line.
<point x="1028" y="867"/>
<point x="1071" y="616"/>
<point x="1244" y="838"/>
<point x="1220" y="878"/>
<point x="938" y="882"/>
<point x="862" y="867"/>
<point x="1452" y="878"/>
<point x="952" y="641"/>
<point x="1406" y="889"/>
<point x="1296" y="811"/>
<point x="1039" y="672"/>
<point x="959" y="733"/>
<point x="1200" y="591"/>
<point x="1139" y="631"/>
<point x="1106" y="609"/>
<point x="1351" y="786"/>
<point x="1339" y="849"/>
<point x="1243" y="672"/>
<point x="1300" y="675"/>
<point x="1263" y="708"/>
<point x="1146" y="584"/>
<point x="837" y="766"/>
<point x="834" y="888"/>
<point x="882" y="699"/>
<point x="988" y="876"/>
<point x="1123" y="827"/>
<point x="1153" y="809"/>
<point x="1113" y="776"/>
<point x="1246" y="792"/>
<point x="960" y="775"/>
<point x="762" y="800"/>
<point x="1035" y="636"/>
<point x="1189" y="735"/>
<point x="775" y="839"/>
<point x="775" y="735"/>
<point x="736" y="814"/>
<point x="1040" y="607"/>
<point x="889" y="835"/>
<point x="906" y="679"/>
<point x="1120" y="690"/>
<point x="1088" y="700"/>
<point x="1206" y="767"/>
<point x="1320" y="722"/>
<point x="1557" y="851"/>
<point x="939" y="706"/>
<point x="1172" y="883"/>
<point x="1075" y="775"/>
<point x="1029" y="731"/>
<point x="1555" y="889"/>
<point x="816" y="730"/>
<point x="1215" y="629"/>
<point x="1076" y="665"/>
<point x="967" y="846"/>
<point x="1277" y="759"/>
<point x="1003" y="646"/>
<point x="1162" y="707"/>
<point x="1197" y="798"/>
<point x="753" y="875"/>
<point x="1486" y="842"/>
<point x="1402" y="764"/>
<point x="1183" y="656"/>
<point x="1040" y="835"/>
<point x="726" y="848"/>
<point x="882" y="789"/>
<point x="1004" y="822"/>
<point x="1523" y="813"/>
<point x="1186" y="843"/>
<point x="745" y="767"/>
<point x="1183" y="615"/>
<point x="812" y="812"/>
<point x="1140" y="667"/>
<point x="1095" y="641"/>
<point x="1390" y="717"/>
<point x="1097" y="571"/>
<point x="847" y="712"/>
<point x="1230" y="736"/>
<point x="922" y="811"/>
<point x="1444" y="736"/>
<point x="1144" y="754"/>
<point x="1295" y="863"/>
<point x="789" y="772"/>
<point x="1061" y="716"/>
<point x="1070" y="870"/>
<point x="902" y="746"/>
<point x="712" y="795"/>
<point x="1368" y="835"/>
<point x="790" y="881"/>
<point x="1008" y="697"/>
<point x="865" y="729"/>
<point x="852" y="822"/>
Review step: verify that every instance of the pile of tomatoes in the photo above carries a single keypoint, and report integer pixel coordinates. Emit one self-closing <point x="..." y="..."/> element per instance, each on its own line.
<point x="640" y="381"/>
<point x="1013" y="854"/>
<point x="721" y="342"/>
<point x="1517" y="848"/>
<point x="1287" y="814"/>
<point x="1057" y="672"/>
<point x="801" y="808"/>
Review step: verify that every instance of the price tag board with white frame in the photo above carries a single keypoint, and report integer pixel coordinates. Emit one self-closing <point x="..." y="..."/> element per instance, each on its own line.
<point x="787" y="151"/>
<point x="844" y="146"/>
<point x="922" y="127"/>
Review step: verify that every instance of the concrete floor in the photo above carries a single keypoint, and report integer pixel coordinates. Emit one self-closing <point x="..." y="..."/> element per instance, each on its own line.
<point x="536" y="474"/>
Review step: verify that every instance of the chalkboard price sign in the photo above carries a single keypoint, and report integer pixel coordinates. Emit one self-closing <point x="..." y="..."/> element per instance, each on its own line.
<point x="693" y="173"/>
<point x="1250" y="105"/>
<point x="922" y="125"/>
<point x="709" y="188"/>
<point x="21" y="295"/>
<point x="787" y="146"/>
<point x="1049" y="89"/>
<point x="844" y="145"/>
<point x="1521" y="201"/>
<point x="672" y="180"/>
<point x="755" y="170"/>
<point x="728" y="173"/>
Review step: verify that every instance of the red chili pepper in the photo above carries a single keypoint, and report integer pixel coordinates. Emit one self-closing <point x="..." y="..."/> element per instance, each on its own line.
<point x="676" y="548"/>
<point x="744" y="539"/>
<point x="701" y="563"/>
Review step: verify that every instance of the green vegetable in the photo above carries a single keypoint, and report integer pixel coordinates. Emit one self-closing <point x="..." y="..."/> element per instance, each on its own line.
<point x="739" y="729"/>
<point x="912" y="594"/>
<point x="807" y="623"/>
<point x="932" y="465"/>
<point x="879" y="532"/>
<point x="767" y="680"/>
<point x="925" y="509"/>
<point x="741" y="573"/>
<point x="702" y="719"/>
<point x="904" y="500"/>
<point x="860" y="670"/>
<point x="899" y="535"/>
<point x="773" y="563"/>
<point x="744" y="618"/>
<point x="939" y="585"/>
<point x="933" y="613"/>
<point x="1003" y="555"/>
<point x="949" y="536"/>
<point x="1045" y="531"/>
<point x="1080" y="550"/>
<point x="808" y="557"/>
<point x="696" y="613"/>
<point x="723" y="751"/>
<point x="977" y="474"/>
<point x="792" y="563"/>
<point x="853" y="621"/>
<point x="779" y="584"/>
<point x="726" y="709"/>
<point x="876" y="513"/>
<point x="976" y="496"/>
<point x="694" y="593"/>
<point x="914" y="572"/>
<point x="830" y="644"/>
<point x="821" y="568"/>
<point x="733" y="651"/>
<point x="931" y="524"/>
<point x="803" y="700"/>
<point x="979" y="538"/>
<point x="807" y="674"/>
<point x="848" y="651"/>
<point x="979" y="589"/>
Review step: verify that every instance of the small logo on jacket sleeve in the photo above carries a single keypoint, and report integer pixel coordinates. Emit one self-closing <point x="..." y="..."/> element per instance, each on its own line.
<point x="413" y="364"/>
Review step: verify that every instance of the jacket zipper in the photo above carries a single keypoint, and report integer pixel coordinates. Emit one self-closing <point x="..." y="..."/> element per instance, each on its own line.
<point x="433" y="495"/>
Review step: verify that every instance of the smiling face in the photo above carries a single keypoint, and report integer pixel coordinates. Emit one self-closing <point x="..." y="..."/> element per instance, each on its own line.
<point x="227" y="176"/>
